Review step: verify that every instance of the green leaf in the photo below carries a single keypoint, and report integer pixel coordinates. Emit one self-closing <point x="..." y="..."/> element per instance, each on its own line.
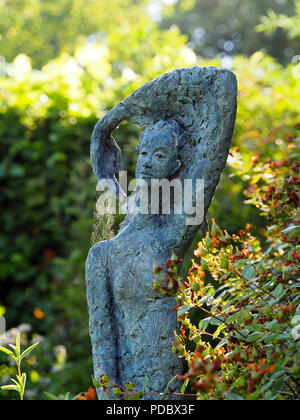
<point x="136" y="396"/>
<point x="233" y="317"/>
<point x="240" y="263"/>
<point x="204" y="323"/>
<point x="203" y="300"/>
<point x="278" y="291"/>
<point x="15" y="382"/>
<point x="23" y="381"/>
<point x="254" y="337"/>
<point x="291" y="228"/>
<point x="271" y="337"/>
<point x="66" y="398"/>
<point x="10" y="388"/>
<point x="8" y="352"/>
<point x="219" y="330"/>
<point x="145" y="384"/>
<point x="13" y="347"/>
<point x="28" y="351"/>
<point x="183" y="309"/>
<point x="274" y="325"/>
<point x="248" y="272"/>
<point x="284" y="337"/>
<point x="95" y="383"/>
<point x="184" y="386"/>
<point x="233" y="397"/>
<point x="278" y="385"/>
<point x="168" y="386"/>
<point x="217" y="321"/>
<point x="170" y="383"/>
<point x="278" y="374"/>
<point x="51" y="396"/>
<point x="254" y="396"/>
<point x="214" y="308"/>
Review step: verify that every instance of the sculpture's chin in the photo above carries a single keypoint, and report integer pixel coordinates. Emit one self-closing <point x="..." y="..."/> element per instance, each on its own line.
<point x="145" y="178"/>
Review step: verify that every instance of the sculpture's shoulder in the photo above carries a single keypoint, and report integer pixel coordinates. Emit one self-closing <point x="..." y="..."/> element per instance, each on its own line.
<point x="96" y="269"/>
<point x="97" y="257"/>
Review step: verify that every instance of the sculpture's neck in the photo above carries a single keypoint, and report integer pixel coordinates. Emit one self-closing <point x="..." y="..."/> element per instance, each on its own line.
<point x="144" y="221"/>
<point x="146" y="208"/>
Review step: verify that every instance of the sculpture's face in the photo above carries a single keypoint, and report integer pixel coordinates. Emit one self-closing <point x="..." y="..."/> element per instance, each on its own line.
<point x="157" y="157"/>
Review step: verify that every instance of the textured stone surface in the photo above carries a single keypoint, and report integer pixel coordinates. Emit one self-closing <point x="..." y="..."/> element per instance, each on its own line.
<point x="131" y="327"/>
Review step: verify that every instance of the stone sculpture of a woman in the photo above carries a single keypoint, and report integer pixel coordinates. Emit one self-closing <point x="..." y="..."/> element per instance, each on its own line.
<point x="188" y="117"/>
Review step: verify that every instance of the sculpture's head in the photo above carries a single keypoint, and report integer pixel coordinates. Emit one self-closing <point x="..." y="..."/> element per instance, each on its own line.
<point x="158" y="151"/>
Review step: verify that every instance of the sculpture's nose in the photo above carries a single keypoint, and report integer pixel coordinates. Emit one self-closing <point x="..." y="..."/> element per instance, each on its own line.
<point x="147" y="165"/>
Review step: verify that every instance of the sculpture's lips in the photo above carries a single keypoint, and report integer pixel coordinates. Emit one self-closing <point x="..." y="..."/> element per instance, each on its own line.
<point x="146" y="174"/>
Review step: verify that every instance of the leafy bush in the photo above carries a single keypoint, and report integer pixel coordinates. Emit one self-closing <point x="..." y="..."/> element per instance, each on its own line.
<point x="247" y="344"/>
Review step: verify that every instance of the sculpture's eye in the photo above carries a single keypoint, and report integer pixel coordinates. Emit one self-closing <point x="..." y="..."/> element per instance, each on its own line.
<point x="160" y="155"/>
<point x="143" y="153"/>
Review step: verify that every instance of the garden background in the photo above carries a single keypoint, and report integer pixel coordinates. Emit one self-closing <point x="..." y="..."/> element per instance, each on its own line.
<point x="63" y="64"/>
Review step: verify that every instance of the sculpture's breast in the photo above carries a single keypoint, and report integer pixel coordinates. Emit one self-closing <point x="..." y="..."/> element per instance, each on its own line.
<point x="131" y="260"/>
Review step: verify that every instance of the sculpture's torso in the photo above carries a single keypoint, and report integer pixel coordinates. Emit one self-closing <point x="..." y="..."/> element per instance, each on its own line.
<point x="141" y="322"/>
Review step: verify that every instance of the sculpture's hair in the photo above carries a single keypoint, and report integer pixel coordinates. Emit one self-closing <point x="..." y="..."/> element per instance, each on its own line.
<point x="170" y="127"/>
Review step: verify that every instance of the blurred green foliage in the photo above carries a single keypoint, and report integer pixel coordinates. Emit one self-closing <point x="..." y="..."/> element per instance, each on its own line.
<point x="290" y="24"/>
<point x="43" y="29"/>
<point x="48" y="190"/>
<point x="227" y="27"/>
